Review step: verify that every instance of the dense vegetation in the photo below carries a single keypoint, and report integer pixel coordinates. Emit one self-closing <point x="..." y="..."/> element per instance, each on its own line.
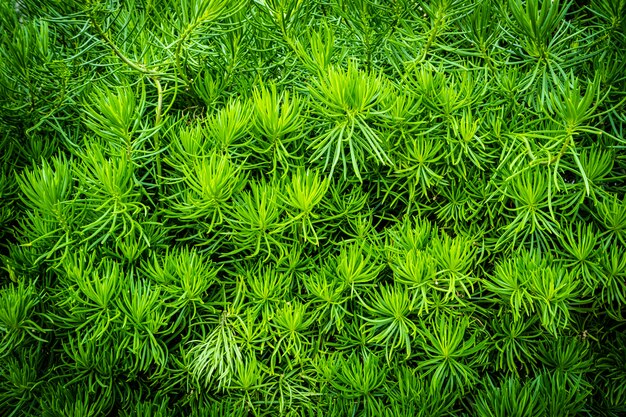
<point x="317" y="208"/>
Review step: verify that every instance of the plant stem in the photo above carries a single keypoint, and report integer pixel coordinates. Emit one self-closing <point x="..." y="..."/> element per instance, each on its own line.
<point x="157" y="139"/>
<point x="134" y="65"/>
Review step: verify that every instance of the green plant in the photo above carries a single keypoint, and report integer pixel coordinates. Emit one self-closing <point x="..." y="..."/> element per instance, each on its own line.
<point x="306" y="208"/>
<point x="346" y="101"/>
<point x="449" y="355"/>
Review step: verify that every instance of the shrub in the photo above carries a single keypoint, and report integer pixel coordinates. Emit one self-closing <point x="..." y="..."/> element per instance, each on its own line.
<point x="338" y="207"/>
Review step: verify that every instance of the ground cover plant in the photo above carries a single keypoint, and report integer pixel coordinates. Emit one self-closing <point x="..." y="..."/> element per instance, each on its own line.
<point x="316" y="208"/>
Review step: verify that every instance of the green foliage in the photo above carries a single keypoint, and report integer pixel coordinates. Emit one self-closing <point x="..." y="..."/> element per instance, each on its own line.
<point x="289" y="207"/>
<point x="451" y="357"/>
<point x="346" y="101"/>
<point x="17" y="308"/>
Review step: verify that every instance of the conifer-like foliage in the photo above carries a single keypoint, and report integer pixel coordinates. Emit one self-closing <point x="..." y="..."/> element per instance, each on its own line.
<point x="312" y="208"/>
